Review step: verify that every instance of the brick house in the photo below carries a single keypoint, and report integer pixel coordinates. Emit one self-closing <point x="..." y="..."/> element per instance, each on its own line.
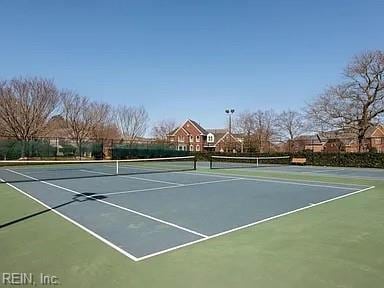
<point x="313" y="143"/>
<point x="375" y="139"/>
<point x="345" y="141"/>
<point x="190" y="136"/>
<point x="220" y="140"/>
<point x="341" y="141"/>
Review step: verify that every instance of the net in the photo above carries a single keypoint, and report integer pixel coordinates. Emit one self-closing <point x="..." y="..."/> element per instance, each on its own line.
<point x="229" y="162"/>
<point x="23" y="170"/>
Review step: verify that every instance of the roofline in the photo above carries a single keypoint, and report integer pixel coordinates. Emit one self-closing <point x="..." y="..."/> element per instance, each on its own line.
<point x="191" y="121"/>
<point x="378" y="127"/>
<point x="185" y="122"/>
<point x="230" y="135"/>
<point x="180" y="127"/>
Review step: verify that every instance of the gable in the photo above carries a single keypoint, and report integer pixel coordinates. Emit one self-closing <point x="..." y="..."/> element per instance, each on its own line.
<point x="176" y="131"/>
<point x="198" y="127"/>
<point x="188" y="126"/>
<point x="379" y="132"/>
<point x="181" y="131"/>
<point x="225" y="138"/>
<point x="193" y="128"/>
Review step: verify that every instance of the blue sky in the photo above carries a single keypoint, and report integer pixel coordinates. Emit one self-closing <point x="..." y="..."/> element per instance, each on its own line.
<point x="189" y="59"/>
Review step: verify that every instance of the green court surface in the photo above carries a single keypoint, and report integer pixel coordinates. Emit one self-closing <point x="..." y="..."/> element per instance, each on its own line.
<point x="336" y="244"/>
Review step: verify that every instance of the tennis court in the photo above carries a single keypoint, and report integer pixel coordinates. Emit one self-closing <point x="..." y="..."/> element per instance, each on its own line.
<point x="145" y="210"/>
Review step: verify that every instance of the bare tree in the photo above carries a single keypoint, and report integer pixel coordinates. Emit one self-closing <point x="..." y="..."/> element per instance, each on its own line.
<point x="104" y="126"/>
<point x="245" y="124"/>
<point x="257" y="129"/>
<point x="264" y="129"/>
<point x="106" y="131"/>
<point x="26" y="105"/>
<point x="83" y="117"/>
<point x="290" y="124"/>
<point x="358" y="102"/>
<point x="132" y="121"/>
<point x="162" y="129"/>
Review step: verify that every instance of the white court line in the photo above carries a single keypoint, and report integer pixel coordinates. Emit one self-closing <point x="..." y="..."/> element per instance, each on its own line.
<point x="169" y="187"/>
<point x="270" y="179"/>
<point x="132" y="177"/>
<point x="247" y="225"/>
<point x="322" y="171"/>
<point x="114" y="205"/>
<point x="311" y="173"/>
<point x="110" y="244"/>
<point x="252" y="224"/>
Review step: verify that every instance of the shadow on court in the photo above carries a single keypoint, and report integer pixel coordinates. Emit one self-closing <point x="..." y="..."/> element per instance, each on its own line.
<point x="77" y="198"/>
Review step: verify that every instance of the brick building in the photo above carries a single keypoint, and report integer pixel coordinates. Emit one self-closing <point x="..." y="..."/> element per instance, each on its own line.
<point x="190" y="136"/>
<point x="341" y="141"/>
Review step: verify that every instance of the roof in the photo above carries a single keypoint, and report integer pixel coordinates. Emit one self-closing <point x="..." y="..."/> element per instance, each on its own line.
<point x="217" y="131"/>
<point x="371" y="130"/>
<point x="194" y="123"/>
<point x="313" y="139"/>
<point x="224" y="135"/>
<point x="197" y="125"/>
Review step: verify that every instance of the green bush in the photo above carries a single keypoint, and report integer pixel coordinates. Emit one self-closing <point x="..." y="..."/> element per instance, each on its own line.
<point x="135" y="153"/>
<point x="366" y="160"/>
<point x="13" y="149"/>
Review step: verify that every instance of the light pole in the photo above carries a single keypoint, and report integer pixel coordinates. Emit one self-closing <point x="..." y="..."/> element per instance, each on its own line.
<point x="230" y="112"/>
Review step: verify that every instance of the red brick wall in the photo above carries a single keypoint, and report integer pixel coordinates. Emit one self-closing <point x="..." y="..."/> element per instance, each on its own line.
<point x="190" y="132"/>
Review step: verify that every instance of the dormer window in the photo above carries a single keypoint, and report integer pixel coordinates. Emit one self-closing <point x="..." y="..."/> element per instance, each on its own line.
<point x="210" y="138"/>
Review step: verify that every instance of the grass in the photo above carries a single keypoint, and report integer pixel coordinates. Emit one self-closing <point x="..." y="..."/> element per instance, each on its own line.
<point x="338" y="244"/>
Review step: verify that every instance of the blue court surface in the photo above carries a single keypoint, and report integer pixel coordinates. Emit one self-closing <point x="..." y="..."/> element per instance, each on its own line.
<point x="361" y="173"/>
<point x="344" y="172"/>
<point x="144" y="215"/>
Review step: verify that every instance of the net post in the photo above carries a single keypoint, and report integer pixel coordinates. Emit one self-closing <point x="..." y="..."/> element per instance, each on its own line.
<point x="210" y="163"/>
<point x="194" y="163"/>
<point x="257" y="162"/>
<point x="117" y="167"/>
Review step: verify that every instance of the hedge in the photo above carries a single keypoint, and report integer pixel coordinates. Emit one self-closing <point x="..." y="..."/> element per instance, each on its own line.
<point x="366" y="160"/>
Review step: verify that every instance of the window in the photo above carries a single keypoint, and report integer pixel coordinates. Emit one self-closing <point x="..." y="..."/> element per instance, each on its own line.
<point x="377" y="141"/>
<point x="197" y="147"/>
<point x="191" y="148"/>
<point x="197" y="138"/>
<point x="180" y="138"/>
<point x="210" y="138"/>
<point x="191" y="139"/>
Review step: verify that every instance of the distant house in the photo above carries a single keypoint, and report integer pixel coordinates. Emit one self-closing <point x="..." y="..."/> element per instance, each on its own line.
<point x="375" y="138"/>
<point x="346" y="141"/>
<point x="190" y="136"/>
<point x="314" y="143"/>
<point x="341" y="141"/>
<point x="220" y="140"/>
